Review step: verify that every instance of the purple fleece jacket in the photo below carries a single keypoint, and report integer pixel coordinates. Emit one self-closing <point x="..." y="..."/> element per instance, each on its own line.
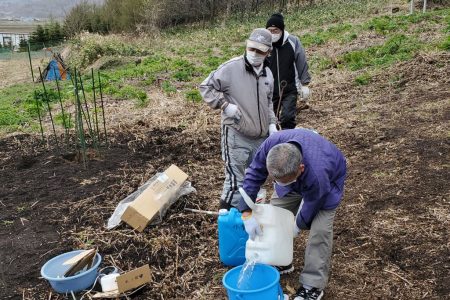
<point x="321" y="184"/>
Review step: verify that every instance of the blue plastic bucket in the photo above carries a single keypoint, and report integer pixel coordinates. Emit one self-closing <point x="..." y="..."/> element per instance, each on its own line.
<point x="53" y="270"/>
<point x="263" y="284"/>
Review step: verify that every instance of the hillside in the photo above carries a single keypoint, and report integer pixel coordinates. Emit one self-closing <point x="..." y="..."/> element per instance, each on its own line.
<point x="380" y="91"/>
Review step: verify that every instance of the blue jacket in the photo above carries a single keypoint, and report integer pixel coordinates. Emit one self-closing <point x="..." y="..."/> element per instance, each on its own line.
<point x="321" y="184"/>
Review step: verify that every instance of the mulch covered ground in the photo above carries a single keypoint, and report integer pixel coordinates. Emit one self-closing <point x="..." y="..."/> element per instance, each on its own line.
<point x="391" y="231"/>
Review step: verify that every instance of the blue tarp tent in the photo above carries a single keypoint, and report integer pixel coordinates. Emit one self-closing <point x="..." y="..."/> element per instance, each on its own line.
<point x="56" y="69"/>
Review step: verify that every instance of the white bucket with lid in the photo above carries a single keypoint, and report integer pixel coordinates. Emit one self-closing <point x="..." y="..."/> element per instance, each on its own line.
<point x="276" y="244"/>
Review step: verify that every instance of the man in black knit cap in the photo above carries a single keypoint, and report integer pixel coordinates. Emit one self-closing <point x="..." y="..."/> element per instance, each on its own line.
<point x="290" y="71"/>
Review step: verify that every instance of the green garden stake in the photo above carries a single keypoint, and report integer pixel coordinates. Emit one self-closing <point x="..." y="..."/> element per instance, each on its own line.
<point x="48" y="106"/>
<point x="88" y="120"/>
<point x="103" y="107"/>
<point x="80" y="122"/>
<point x="39" y="114"/>
<point x="95" y="105"/>
<point x="61" y="105"/>
<point x="29" y="57"/>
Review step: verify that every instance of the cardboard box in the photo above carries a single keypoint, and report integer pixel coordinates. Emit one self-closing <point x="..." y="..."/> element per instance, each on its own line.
<point x="127" y="282"/>
<point x="140" y="212"/>
<point x="133" y="279"/>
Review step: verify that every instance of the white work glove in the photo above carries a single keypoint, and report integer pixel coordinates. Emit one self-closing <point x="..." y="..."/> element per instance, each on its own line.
<point x="231" y="110"/>
<point x="272" y="129"/>
<point x="252" y="227"/>
<point x="296" y="230"/>
<point x="305" y="93"/>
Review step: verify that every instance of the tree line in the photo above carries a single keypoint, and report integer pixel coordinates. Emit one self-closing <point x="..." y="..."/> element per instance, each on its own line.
<point x="148" y="15"/>
<point x="46" y="35"/>
<point x="116" y="16"/>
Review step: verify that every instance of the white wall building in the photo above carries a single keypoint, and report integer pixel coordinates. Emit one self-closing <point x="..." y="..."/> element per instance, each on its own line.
<point x="9" y="39"/>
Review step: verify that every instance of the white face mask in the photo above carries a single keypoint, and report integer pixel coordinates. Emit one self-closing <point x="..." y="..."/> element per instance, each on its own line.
<point x="254" y="58"/>
<point x="276" y="37"/>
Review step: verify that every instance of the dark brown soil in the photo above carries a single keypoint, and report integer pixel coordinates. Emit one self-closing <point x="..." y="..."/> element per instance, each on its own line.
<point x="391" y="231"/>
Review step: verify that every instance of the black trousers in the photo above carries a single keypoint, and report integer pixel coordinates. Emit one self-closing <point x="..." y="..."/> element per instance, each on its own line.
<point x="288" y="110"/>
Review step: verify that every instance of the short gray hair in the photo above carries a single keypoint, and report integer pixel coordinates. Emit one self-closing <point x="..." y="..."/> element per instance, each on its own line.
<point x="283" y="160"/>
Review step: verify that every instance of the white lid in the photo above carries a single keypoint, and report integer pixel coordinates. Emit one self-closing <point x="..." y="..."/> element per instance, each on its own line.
<point x="223" y="212"/>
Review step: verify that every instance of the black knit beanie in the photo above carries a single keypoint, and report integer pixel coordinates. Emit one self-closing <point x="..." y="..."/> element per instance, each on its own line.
<point x="276" y="20"/>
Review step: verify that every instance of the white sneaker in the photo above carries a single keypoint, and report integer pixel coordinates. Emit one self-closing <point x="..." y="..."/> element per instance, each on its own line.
<point x="312" y="294"/>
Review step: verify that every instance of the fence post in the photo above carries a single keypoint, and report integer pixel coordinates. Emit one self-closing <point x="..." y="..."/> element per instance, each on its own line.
<point x="29" y="57"/>
<point x="411" y="7"/>
<point x="424" y="6"/>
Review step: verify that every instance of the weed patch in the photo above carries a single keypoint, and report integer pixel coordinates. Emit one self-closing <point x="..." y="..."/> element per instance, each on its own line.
<point x="445" y="45"/>
<point x="337" y="32"/>
<point x="168" y="88"/>
<point x="363" y="79"/>
<point x="194" y="96"/>
<point x="396" y="48"/>
<point x="389" y="24"/>
<point x="320" y="63"/>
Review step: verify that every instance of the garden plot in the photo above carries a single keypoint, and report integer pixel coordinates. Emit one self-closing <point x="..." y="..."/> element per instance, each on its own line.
<point x="390" y="119"/>
<point x="391" y="232"/>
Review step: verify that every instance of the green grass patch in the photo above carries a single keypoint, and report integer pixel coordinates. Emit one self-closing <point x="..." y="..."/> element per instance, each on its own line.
<point x="65" y="120"/>
<point x="445" y="45"/>
<point x="320" y="63"/>
<point x="396" y="48"/>
<point x="16" y="108"/>
<point x="336" y="32"/>
<point x="332" y="12"/>
<point x="194" y="96"/>
<point x="390" y="24"/>
<point x="168" y="88"/>
<point x="363" y="79"/>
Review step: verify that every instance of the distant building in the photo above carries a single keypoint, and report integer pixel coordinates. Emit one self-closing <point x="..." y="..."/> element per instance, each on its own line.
<point x="12" y="39"/>
<point x="12" y="32"/>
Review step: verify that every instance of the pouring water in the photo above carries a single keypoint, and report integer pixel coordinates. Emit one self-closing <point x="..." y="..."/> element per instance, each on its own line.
<point x="246" y="273"/>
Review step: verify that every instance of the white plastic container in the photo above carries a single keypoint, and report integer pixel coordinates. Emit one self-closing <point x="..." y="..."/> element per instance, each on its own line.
<point x="276" y="244"/>
<point x="109" y="283"/>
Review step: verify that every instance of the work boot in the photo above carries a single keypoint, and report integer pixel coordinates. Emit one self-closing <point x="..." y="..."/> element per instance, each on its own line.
<point x="302" y="105"/>
<point x="285" y="269"/>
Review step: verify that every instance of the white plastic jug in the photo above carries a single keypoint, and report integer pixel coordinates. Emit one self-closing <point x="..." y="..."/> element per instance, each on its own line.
<point x="276" y="244"/>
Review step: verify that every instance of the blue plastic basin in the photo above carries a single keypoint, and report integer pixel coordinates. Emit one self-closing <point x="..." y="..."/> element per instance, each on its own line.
<point x="53" y="270"/>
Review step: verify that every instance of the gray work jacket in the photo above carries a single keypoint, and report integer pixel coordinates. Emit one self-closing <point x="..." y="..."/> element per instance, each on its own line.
<point x="236" y="82"/>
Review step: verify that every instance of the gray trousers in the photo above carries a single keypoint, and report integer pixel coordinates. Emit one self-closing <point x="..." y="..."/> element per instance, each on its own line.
<point x="319" y="245"/>
<point x="237" y="153"/>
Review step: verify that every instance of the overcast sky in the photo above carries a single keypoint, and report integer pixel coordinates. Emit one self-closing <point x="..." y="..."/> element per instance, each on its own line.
<point x="41" y="9"/>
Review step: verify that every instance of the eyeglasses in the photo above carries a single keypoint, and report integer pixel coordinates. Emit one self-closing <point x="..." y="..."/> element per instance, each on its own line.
<point x="287" y="183"/>
<point x="257" y="51"/>
<point x="274" y="30"/>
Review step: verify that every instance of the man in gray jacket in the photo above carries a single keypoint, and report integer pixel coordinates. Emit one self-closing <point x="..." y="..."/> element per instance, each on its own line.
<point x="242" y="89"/>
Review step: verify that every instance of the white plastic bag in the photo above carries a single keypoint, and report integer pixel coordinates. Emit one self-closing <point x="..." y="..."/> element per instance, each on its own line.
<point x="114" y="220"/>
